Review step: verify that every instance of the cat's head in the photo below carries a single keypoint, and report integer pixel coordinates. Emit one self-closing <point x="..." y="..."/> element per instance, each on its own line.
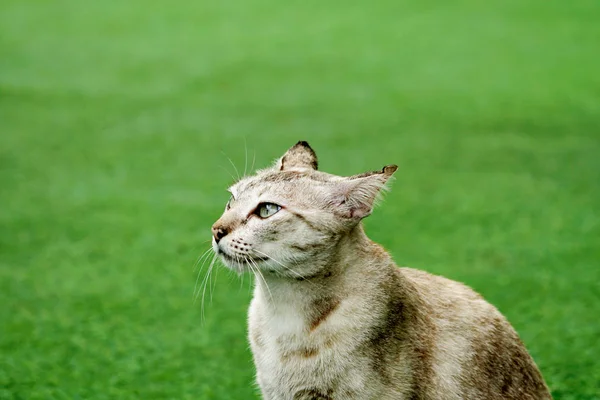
<point x="292" y="213"/>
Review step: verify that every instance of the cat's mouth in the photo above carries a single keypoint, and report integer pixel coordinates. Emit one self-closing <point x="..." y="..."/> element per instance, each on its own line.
<point x="240" y="260"/>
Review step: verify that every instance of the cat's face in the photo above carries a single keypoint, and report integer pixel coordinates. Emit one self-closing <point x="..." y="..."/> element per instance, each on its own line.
<point x="284" y="216"/>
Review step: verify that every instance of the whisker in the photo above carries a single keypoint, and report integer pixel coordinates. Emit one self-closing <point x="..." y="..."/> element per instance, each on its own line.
<point x="245" y="155"/>
<point x="251" y="269"/>
<point x="229" y="173"/>
<point x="253" y="160"/>
<point x="207" y="283"/>
<point x="250" y="284"/>
<point x="197" y="292"/>
<point x="234" y="167"/>
<point x="203" y="255"/>
<point x="257" y="269"/>
<point x="206" y="256"/>
<point x="204" y="282"/>
<point x="214" y="286"/>
<point x="242" y="274"/>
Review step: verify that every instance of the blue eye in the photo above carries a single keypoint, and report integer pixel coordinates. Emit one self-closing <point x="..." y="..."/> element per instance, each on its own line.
<point x="265" y="210"/>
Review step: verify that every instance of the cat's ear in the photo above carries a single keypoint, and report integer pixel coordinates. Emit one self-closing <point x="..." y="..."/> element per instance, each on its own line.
<point x="355" y="196"/>
<point x="301" y="155"/>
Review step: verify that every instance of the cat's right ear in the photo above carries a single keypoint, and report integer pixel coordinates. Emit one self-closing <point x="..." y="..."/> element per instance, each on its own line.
<point x="301" y="155"/>
<point x="356" y="196"/>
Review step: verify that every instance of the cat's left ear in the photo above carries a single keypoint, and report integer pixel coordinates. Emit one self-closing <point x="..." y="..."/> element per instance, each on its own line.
<point x="356" y="196"/>
<point x="301" y="155"/>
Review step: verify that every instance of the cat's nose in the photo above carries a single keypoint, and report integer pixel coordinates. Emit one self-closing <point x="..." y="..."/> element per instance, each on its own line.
<point x="219" y="232"/>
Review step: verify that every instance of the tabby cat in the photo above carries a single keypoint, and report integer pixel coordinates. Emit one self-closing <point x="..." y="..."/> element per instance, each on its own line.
<point x="333" y="317"/>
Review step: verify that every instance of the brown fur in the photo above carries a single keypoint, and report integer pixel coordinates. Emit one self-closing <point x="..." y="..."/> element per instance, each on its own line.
<point x="321" y="308"/>
<point x="502" y="369"/>
<point x="311" y="394"/>
<point x="305" y="352"/>
<point x="333" y="318"/>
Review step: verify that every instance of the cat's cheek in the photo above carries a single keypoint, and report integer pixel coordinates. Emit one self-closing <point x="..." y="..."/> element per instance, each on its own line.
<point x="269" y="235"/>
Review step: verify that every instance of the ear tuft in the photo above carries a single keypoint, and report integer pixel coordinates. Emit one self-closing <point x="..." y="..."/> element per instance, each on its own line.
<point x="301" y="155"/>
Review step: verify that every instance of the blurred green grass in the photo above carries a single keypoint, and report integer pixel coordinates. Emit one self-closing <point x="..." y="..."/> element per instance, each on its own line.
<point x="117" y="118"/>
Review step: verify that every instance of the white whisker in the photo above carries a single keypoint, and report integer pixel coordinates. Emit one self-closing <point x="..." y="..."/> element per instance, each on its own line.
<point x="204" y="283"/>
<point x="214" y="286"/>
<point x="228" y="173"/>
<point x="250" y="265"/>
<point x="257" y="271"/>
<point x="250" y="286"/>
<point x="245" y="155"/>
<point x="203" y="255"/>
<point x="206" y="256"/>
<point x="232" y="164"/>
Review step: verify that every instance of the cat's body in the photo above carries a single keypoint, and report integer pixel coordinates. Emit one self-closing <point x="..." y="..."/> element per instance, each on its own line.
<point x="334" y="318"/>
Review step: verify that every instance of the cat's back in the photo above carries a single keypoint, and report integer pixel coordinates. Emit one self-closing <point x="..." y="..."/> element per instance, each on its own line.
<point x="476" y="352"/>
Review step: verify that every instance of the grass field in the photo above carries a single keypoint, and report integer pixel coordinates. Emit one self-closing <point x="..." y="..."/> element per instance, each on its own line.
<point x="117" y="118"/>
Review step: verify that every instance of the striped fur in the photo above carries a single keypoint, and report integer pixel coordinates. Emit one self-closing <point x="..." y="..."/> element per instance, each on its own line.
<point x="334" y="318"/>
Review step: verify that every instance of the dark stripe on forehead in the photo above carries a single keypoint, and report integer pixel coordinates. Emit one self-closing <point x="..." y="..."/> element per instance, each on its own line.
<point x="288" y="176"/>
<point x="283" y="176"/>
<point x="264" y="180"/>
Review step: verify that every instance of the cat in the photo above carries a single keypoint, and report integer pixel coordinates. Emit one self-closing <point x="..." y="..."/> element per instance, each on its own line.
<point x="332" y="316"/>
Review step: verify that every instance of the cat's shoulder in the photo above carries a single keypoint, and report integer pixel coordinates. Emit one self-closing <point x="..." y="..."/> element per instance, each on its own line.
<point x="442" y="293"/>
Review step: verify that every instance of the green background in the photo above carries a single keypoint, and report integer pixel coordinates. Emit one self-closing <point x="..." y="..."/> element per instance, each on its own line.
<point x="117" y="119"/>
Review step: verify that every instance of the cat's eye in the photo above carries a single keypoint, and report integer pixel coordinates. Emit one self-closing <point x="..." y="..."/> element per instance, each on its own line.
<point x="228" y="205"/>
<point x="265" y="210"/>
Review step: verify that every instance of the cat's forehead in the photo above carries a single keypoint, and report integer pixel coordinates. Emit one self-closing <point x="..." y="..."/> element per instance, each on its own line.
<point x="281" y="181"/>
